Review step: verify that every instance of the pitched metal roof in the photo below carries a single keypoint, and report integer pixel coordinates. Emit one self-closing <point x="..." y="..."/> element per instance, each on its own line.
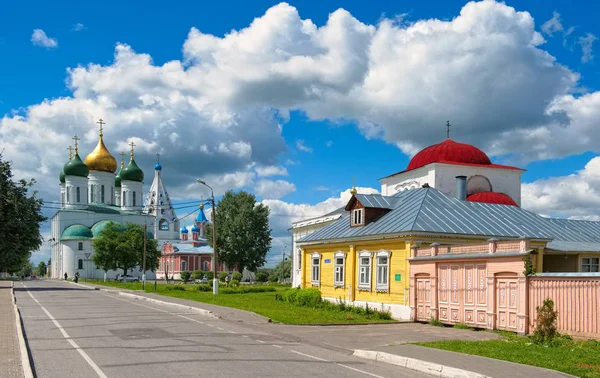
<point x="376" y="201"/>
<point x="190" y="249"/>
<point x="429" y="210"/>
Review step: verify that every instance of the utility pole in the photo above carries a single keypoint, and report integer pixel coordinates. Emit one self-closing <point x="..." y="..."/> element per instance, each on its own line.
<point x="214" y="237"/>
<point x="144" y="262"/>
<point x="283" y="262"/>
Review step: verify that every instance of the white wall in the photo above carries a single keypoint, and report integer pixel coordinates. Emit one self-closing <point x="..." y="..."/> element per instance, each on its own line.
<point x="71" y="185"/>
<point x="298" y="233"/>
<point x="408" y="180"/>
<point x="127" y="190"/>
<point x="97" y="179"/>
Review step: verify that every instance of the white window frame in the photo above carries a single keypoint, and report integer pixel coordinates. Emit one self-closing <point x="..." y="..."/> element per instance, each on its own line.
<point x="315" y="279"/>
<point x="593" y="262"/>
<point x="364" y="271"/>
<point x="358" y="217"/>
<point x="339" y="269"/>
<point x="382" y="271"/>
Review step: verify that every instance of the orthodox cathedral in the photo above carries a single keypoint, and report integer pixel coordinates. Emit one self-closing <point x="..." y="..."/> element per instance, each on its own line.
<point x="93" y="194"/>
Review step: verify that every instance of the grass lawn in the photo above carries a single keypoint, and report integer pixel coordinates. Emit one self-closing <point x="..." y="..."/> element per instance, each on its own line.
<point x="579" y="358"/>
<point x="261" y="303"/>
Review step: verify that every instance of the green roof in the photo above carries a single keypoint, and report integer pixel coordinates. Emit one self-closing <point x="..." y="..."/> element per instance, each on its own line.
<point x="132" y="172"/>
<point x="76" y="167"/>
<point x="61" y="177"/>
<point x="100" y="226"/>
<point x="77" y="232"/>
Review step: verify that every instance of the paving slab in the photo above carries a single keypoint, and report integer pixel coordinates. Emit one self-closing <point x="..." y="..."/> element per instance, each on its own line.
<point x="10" y="361"/>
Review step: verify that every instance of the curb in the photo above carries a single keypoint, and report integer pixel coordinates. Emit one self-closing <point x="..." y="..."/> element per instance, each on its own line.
<point x="140" y="297"/>
<point x="427" y="367"/>
<point x="25" y="362"/>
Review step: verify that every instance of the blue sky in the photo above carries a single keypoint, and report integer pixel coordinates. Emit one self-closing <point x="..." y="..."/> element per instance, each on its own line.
<point x="344" y="136"/>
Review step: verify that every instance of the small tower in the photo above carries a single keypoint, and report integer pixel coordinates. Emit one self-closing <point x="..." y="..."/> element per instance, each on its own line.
<point x="159" y="204"/>
<point x="61" y="179"/>
<point x="201" y="223"/>
<point x="101" y="180"/>
<point x="76" y="180"/>
<point x="131" y="185"/>
<point x="184" y="233"/>
<point x="118" y="181"/>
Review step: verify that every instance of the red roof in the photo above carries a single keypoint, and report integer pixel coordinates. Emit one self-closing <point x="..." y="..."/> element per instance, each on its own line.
<point x="449" y="151"/>
<point x="492" y="197"/>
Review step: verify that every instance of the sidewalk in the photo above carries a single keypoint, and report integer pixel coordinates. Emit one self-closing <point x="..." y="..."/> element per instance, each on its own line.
<point x="10" y="361"/>
<point x="389" y="338"/>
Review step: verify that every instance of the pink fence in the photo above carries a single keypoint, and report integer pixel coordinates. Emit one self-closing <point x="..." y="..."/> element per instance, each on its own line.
<point x="576" y="298"/>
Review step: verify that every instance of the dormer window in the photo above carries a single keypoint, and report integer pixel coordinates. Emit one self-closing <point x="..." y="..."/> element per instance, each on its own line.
<point x="358" y="217"/>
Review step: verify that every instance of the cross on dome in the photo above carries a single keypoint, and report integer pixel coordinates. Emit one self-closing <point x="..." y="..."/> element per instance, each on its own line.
<point x="448" y="129"/>
<point x="101" y="122"/>
<point x="70" y="148"/>
<point x="132" y="145"/>
<point x="76" y="139"/>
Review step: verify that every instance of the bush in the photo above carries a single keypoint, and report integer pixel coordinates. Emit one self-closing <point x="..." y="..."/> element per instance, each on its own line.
<point x="179" y="286"/>
<point x="223" y="276"/>
<point x="209" y="275"/>
<point x="261" y="277"/>
<point x="221" y="284"/>
<point x="237" y="276"/>
<point x="185" y="276"/>
<point x="273" y="278"/>
<point x="203" y="287"/>
<point x="290" y="295"/>
<point x="545" y="323"/>
<point x="247" y="289"/>
<point x="197" y="274"/>
<point x="234" y="283"/>
<point x="310" y="297"/>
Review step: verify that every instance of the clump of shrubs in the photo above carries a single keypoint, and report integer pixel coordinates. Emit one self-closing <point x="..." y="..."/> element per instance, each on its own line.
<point x="237" y="276"/>
<point x="223" y="276"/>
<point x="197" y="274"/>
<point x="245" y="289"/>
<point x="234" y="283"/>
<point x="203" y="287"/>
<point x="178" y="286"/>
<point x="209" y="275"/>
<point x="261" y="277"/>
<point x="185" y="276"/>
<point x="545" y="323"/>
<point x="273" y="278"/>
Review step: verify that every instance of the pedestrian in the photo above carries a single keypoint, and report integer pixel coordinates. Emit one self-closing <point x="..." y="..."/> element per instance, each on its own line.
<point x="66" y="275"/>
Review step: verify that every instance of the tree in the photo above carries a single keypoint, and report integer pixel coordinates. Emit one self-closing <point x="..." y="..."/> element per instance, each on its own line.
<point x="118" y="247"/>
<point x="20" y="217"/>
<point x="243" y="233"/>
<point x="287" y="269"/>
<point x="26" y="269"/>
<point x="40" y="270"/>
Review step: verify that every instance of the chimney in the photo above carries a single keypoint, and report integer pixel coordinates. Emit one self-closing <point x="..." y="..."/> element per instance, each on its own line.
<point x="461" y="187"/>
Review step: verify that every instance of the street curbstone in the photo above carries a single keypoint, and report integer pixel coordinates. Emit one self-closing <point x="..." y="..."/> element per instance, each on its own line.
<point x="25" y="362"/>
<point x="427" y="367"/>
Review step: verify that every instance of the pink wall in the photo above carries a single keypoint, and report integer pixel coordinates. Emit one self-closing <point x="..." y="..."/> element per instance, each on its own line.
<point x="576" y="298"/>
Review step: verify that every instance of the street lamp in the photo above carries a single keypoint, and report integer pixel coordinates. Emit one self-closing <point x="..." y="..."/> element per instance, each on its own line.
<point x="214" y="237"/>
<point x="283" y="262"/>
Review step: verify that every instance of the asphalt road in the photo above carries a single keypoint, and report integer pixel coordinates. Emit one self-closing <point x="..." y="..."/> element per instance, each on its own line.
<point x="73" y="332"/>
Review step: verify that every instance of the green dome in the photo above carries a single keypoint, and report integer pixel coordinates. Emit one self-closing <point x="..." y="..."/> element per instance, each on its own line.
<point x="132" y="172"/>
<point x="76" y="232"/>
<point x="100" y="226"/>
<point x="76" y="167"/>
<point x="61" y="177"/>
<point x="118" y="179"/>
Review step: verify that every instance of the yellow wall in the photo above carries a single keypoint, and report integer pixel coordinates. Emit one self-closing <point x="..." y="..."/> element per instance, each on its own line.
<point x="400" y="251"/>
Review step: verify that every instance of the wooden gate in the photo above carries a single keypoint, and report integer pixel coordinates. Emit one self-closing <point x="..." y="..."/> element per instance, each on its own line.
<point x="462" y="293"/>
<point x="423" y="299"/>
<point x="507" y="299"/>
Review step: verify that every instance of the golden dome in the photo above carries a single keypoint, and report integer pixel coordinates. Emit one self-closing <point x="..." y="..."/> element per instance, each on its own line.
<point x="100" y="159"/>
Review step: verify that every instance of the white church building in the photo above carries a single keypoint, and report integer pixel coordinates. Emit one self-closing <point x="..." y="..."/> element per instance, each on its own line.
<point x="91" y="196"/>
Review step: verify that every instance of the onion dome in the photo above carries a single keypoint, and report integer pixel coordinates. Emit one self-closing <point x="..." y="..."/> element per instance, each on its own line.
<point x="101" y="225"/>
<point x="132" y="172"/>
<point x="158" y="167"/>
<point x="76" y="232"/>
<point x="492" y="197"/>
<point x="195" y="229"/>
<point x="61" y="177"/>
<point x="118" y="175"/>
<point x="76" y="167"/>
<point x="100" y="159"/>
<point x="451" y="152"/>
<point x="201" y="216"/>
<point x="184" y="230"/>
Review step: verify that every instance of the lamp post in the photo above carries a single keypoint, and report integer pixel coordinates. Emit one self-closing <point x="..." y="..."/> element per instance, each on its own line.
<point x="283" y="262"/>
<point x="214" y="237"/>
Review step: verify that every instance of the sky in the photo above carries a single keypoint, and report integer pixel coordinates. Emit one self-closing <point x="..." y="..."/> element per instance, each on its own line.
<point x="294" y="101"/>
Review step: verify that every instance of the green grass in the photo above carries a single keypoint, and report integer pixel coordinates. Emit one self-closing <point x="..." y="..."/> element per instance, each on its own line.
<point x="261" y="303"/>
<point x="579" y="358"/>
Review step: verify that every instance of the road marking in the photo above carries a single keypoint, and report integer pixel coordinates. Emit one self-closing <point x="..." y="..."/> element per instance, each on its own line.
<point x="260" y="341"/>
<point x="231" y="332"/>
<point x="68" y="338"/>
<point x="277" y="346"/>
<point x="246" y="336"/>
<point x="338" y="364"/>
<point x="220" y="328"/>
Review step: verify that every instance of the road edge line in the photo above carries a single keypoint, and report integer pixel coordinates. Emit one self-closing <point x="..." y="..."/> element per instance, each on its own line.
<point x="153" y="300"/>
<point x="427" y="367"/>
<point x="25" y="357"/>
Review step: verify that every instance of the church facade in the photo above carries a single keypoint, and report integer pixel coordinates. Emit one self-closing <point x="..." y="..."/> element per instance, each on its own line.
<point x="450" y="194"/>
<point x="93" y="194"/>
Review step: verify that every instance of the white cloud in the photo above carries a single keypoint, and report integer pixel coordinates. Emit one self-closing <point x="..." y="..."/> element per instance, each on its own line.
<point x="321" y="188"/>
<point x="329" y="143"/>
<point x="553" y="25"/>
<point x="302" y="147"/>
<point x="39" y="38"/>
<point x="78" y="27"/>
<point x="271" y="170"/>
<point x="273" y="189"/>
<point x="586" y="44"/>
<point x="576" y="195"/>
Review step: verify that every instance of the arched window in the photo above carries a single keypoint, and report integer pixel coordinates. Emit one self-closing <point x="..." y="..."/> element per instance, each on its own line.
<point x="102" y="194"/>
<point x="205" y="266"/>
<point x="80" y="264"/>
<point x="183" y="265"/>
<point x="133" y="204"/>
<point x="163" y="225"/>
<point x="80" y="246"/>
<point x="124" y="198"/>
<point x="92" y="193"/>
<point x="68" y="194"/>
<point x="112" y="195"/>
<point x="78" y="195"/>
